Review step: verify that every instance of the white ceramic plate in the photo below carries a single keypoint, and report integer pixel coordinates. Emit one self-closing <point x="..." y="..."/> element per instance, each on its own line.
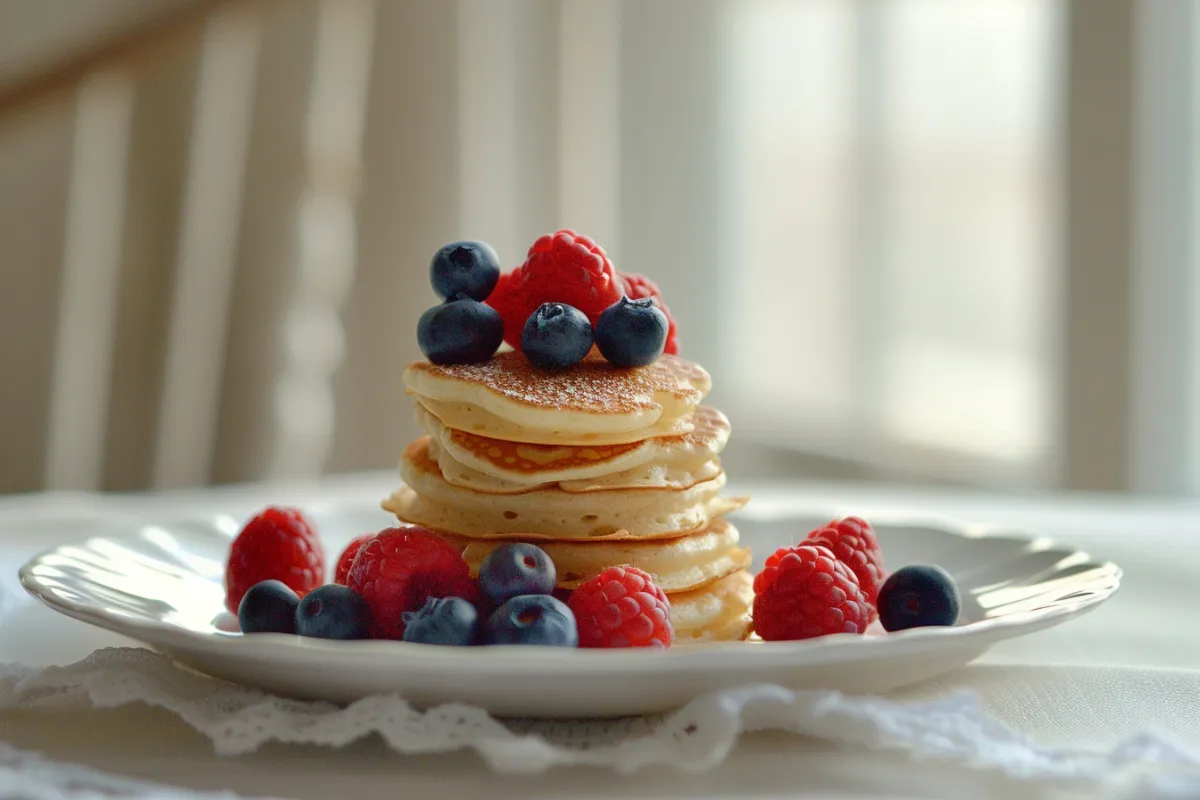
<point x="161" y="584"/>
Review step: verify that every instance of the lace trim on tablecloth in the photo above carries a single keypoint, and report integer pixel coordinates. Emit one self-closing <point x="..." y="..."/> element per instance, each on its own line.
<point x="697" y="737"/>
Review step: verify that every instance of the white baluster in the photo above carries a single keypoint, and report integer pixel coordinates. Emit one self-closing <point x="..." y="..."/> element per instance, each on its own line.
<point x="326" y="239"/>
<point x="207" y="256"/>
<point x="88" y="297"/>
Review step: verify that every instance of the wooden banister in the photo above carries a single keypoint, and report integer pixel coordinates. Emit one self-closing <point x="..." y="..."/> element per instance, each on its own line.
<point x="134" y="48"/>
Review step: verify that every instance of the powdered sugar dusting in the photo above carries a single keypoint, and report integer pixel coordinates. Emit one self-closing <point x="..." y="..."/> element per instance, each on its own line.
<point x="593" y="385"/>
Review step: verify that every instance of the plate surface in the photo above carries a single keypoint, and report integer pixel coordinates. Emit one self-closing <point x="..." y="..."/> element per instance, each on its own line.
<point x="161" y="584"/>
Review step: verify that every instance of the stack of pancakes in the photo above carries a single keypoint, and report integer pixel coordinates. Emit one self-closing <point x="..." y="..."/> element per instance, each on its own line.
<point x="597" y="465"/>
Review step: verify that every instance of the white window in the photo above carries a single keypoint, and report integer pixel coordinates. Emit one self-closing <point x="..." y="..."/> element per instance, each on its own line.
<point x="888" y="231"/>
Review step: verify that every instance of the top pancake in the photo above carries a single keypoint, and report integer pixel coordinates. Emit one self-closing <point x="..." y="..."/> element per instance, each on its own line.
<point x="591" y="403"/>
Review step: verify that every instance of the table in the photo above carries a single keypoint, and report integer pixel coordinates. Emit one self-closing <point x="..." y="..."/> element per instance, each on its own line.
<point x="1130" y="666"/>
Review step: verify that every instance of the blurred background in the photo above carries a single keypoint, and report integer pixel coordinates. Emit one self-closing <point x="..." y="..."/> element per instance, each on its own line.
<point x="924" y="240"/>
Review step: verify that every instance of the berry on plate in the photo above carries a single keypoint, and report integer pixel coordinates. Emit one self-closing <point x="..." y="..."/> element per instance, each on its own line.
<point x="516" y="568"/>
<point x="268" y="607"/>
<point x="556" y="337"/>
<point x="333" y="612"/>
<point x="469" y="268"/>
<point x="279" y="544"/>
<point x="561" y="267"/>
<point x="638" y="287"/>
<point x="853" y="541"/>
<point x="347" y="558"/>
<point x="443" y="620"/>
<point x="532" y="619"/>
<point x="804" y="592"/>
<point x="917" y="596"/>
<point x="399" y="568"/>
<point x="621" y="607"/>
<point x="460" y="331"/>
<point x="632" y="333"/>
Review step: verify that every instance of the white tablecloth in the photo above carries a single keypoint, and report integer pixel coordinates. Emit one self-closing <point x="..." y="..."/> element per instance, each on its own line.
<point x="1129" y="667"/>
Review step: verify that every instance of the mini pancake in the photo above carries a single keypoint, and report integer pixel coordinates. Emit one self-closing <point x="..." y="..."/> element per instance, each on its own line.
<point x="663" y="476"/>
<point x="675" y="565"/>
<point x="501" y="467"/>
<point x="592" y="403"/>
<point x="468" y="417"/>
<point x="719" y="612"/>
<point x="429" y="500"/>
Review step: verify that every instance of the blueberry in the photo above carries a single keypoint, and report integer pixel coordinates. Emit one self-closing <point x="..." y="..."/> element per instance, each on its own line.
<point x="513" y="569"/>
<point x="632" y="333"/>
<point x="917" y="596"/>
<point x="469" y="268"/>
<point x="268" y="607"/>
<point x="532" y="619"/>
<point x="442" y="620"/>
<point x="461" y="331"/>
<point x="333" y="612"/>
<point x="556" y="336"/>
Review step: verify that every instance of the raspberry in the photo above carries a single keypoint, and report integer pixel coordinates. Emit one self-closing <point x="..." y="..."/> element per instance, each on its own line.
<point x="277" y="544"/>
<point x="803" y="592"/>
<point x="399" y="568"/>
<point x="346" y="559"/>
<point x="505" y="299"/>
<point x="621" y="607"/>
<point x="852" y="541"/>
<point x="561" y="267"/>
<point x="638" y="287"/>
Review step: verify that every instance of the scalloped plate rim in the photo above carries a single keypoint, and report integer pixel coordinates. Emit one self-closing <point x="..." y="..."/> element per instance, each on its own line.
<point x="703" y="657"/>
